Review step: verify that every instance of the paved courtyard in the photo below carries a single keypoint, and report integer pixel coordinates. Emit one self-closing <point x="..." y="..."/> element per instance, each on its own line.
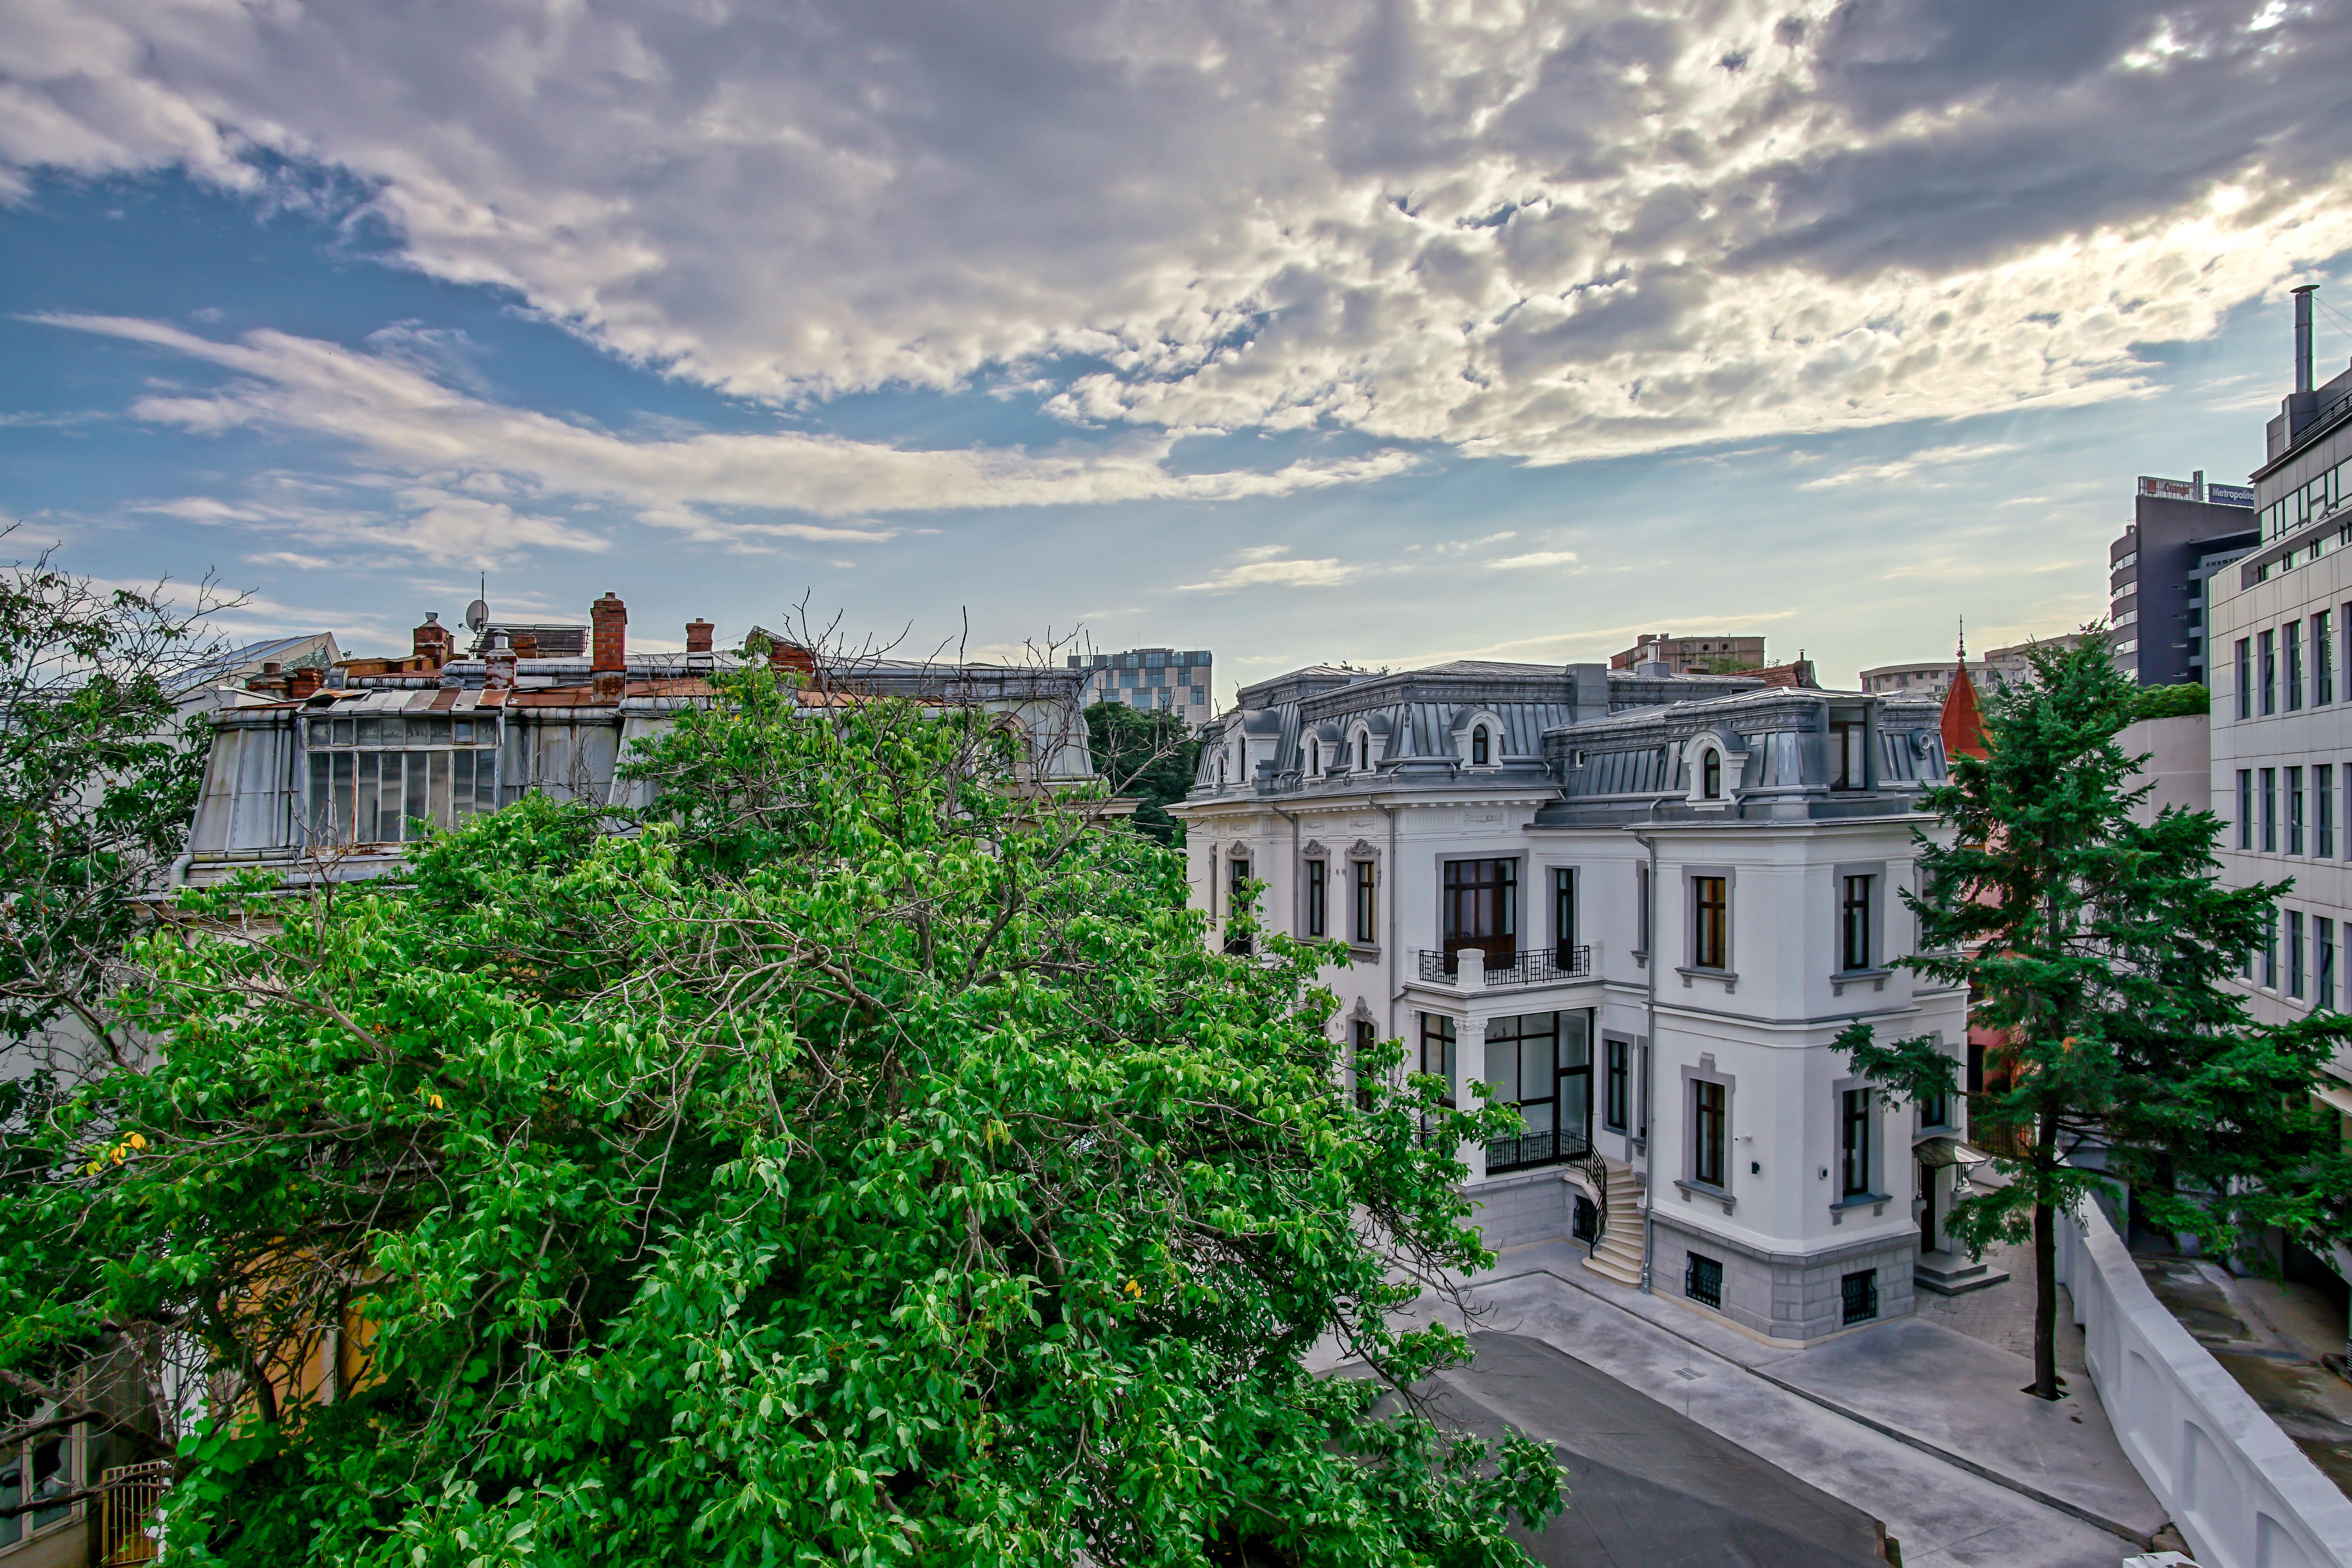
<point x="1916" y="1425"/>
<point x="2003" y="1314"/>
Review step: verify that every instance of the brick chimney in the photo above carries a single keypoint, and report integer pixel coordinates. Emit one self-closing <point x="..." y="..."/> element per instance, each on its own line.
<point x="304" y="680"/>
<point x="789" y="658"/>
<point x="526" y="645"/>
<point x="430" y="642"/>
<point x="698" y="636"/>
<point x="608" y="621"/>
<point x="499" y="664"/>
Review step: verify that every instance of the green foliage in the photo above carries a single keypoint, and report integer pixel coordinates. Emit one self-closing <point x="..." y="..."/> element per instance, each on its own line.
<point x="96" y="787"/>
<point x="2187" y="699"/>
<point x="2096" y="945"/>
<point x="861" y="1161"/>
<point x="1145" y="753"/>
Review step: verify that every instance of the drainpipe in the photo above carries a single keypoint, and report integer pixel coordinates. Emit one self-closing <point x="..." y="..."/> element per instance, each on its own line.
<point x="1649" y="1067"/>
<point x="1396" y="958"/>
<point x="1295" y="878"/>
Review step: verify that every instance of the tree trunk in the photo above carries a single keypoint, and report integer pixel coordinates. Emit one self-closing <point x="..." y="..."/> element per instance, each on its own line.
<point x="2045" y="1301"/>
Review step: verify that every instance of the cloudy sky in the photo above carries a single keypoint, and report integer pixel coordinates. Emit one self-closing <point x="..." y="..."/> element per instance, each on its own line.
<point x="1295" y="329"/>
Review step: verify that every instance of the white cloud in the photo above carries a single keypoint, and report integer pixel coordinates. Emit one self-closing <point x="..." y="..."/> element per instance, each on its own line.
<point x="1270" y="566"/>
<point x="1534" y="558"/>
<point x="462" y="449"/>
<point x="1910" y="467"/>
<point x="1536" y="229"/>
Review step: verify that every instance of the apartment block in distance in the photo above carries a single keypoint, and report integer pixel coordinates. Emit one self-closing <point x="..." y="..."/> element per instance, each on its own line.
<point x="2281" y="621"/>
<point x="1165" y="679"/>
<point x="1717" y="655"/>
<point x="1999" y="670"/>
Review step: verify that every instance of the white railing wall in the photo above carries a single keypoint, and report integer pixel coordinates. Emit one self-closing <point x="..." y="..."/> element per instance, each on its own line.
<point x="2239" y="1488"/>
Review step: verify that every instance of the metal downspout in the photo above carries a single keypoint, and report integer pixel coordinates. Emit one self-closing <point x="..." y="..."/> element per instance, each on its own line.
<point x="1396" y="958"/>
<point x="1649" y="1070"/>
<point x="1295" y="867"/>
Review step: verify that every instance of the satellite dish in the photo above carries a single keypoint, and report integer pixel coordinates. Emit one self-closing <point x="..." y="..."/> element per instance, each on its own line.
<point x="478" y="616"/>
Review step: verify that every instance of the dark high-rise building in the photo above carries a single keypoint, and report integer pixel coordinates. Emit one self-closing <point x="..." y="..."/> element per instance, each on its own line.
<point x="2181" y="533"/>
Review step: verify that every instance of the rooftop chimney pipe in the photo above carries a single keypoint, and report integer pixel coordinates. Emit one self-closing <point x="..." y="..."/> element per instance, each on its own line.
<point x="2303" y="293"/>
<point x="698" y="636"/>
<point x="608" y="621"/>
<point x="499" y="664"/>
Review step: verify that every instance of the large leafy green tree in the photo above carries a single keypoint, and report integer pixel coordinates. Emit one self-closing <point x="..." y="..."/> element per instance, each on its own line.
<point x="96" y="787"/>
<point x="2096" y="945"/>
<point x="862" y="1161"/>
<point x="1148" y="754"/>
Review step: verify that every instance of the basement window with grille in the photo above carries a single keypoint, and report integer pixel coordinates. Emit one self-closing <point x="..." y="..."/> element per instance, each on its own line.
<point x="1859" y="1296"/>
<point x="1703" y="1280"/>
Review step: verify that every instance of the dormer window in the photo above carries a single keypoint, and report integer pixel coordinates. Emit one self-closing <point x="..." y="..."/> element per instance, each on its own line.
<point x="1315" y="758"/>
<point x="1711" y="775"/>
<point x="1478" y="747"/>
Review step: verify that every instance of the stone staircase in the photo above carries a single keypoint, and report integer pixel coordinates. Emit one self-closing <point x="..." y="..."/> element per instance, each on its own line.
<point x="1619" y="1256"/>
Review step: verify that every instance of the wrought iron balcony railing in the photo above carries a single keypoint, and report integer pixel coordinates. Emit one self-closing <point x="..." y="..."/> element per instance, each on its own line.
<point x="1556" y="1147"/>
<point x="1533" y="967"/>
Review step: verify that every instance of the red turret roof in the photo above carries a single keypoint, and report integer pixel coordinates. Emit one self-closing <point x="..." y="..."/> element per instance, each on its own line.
<point x="1964" y="731"/>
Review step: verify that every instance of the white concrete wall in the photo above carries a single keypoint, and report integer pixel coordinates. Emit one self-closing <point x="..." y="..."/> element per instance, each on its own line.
<point x="2180" y="763"/>
<point x="2240" y="1491"/>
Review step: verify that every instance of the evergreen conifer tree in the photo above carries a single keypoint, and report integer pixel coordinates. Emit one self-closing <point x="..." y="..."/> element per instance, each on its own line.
<point x="2097" y="946"/>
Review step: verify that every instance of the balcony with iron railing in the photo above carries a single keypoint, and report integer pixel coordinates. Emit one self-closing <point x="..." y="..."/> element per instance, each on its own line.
<point x="1529" y="967"/>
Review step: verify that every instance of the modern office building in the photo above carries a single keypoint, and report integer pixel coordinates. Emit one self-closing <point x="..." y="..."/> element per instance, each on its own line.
<point x="1164" y="679"/>
<point x="1640" y="907"/>
<point x="2281" y="727"/>
<point x="2182" y="532"/>
<point x="1721" y="654"/>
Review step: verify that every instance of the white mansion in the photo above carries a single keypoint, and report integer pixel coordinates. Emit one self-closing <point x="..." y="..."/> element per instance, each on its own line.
<point x="1639" y="906"/>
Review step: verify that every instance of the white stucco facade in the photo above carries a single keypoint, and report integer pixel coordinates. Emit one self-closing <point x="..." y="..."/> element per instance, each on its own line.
<point x="1663" y="970"/>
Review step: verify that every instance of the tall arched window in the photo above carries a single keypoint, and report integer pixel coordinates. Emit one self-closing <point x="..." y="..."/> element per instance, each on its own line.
<point x="1315" y="758"/>
<point x="1478" y="747"/>
<point x="1711" y="775"/>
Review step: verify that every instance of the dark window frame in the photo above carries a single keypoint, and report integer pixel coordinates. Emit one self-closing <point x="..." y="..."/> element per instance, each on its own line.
<point x="1563" y="911"/>
<point x="1365" y="902"/>
<point x="2322" y="812"/>
<point x="1362" y="1035"/>
<point x="1319" y="872"/>
<point x="1710" y="1140"/>
<point x="1710" y="923"/>
<point x="1854" y="1111"/>
<point x="2323" y="658"/>
<point x="1854" y="923"/>
<point x="2294" y="811"/>
<point x="1617" y="1085"/>
<point x="1480" y="746"/>
<point x="1438" y="1030"/>
<point x="1850" y="754"/>
<point x="2323" y="968"/>
<point x="1476" y="894"/>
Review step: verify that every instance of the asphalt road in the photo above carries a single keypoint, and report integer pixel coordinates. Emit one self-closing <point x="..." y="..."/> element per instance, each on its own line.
<point x="1648" y="1487"/>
